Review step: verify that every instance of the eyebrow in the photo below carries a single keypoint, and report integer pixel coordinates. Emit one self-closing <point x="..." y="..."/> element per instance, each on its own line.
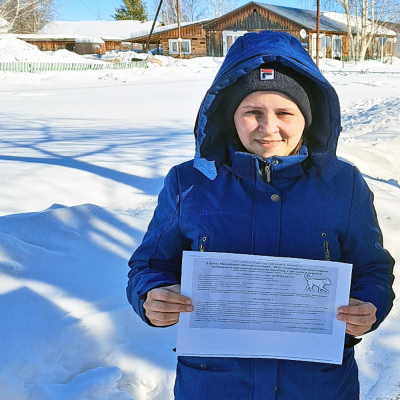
<point x="279" y="108"/>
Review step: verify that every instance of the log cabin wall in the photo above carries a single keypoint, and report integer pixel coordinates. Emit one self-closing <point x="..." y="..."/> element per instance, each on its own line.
<point x="253" y="17"/>
<point x="196" y="35"/>
<point x="89" y="48"/>
<point x="249" y="18"/>
<point x="112" y="45"/>
<point x="345" y="47"/>
<point x="47" y="45"/>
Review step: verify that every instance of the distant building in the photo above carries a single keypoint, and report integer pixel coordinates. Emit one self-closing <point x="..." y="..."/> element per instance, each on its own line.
<point x="165" y="38"/>
<point x="215" y="37"/>
<point x="396" y="28"/>
<point x="86" y="37"/>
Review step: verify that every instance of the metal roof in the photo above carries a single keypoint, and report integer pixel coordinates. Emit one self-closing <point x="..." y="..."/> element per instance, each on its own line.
<point x="305" y="18"/>
<point x="166" y="28"/>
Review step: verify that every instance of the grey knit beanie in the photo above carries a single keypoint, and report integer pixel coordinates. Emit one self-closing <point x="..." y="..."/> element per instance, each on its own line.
<point x="270" y="78"/>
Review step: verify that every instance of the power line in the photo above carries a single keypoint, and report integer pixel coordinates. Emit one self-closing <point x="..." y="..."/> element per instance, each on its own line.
<point x="97" y="15"/>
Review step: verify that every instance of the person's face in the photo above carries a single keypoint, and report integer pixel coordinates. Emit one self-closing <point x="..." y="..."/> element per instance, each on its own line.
<point x="269" y="124"/>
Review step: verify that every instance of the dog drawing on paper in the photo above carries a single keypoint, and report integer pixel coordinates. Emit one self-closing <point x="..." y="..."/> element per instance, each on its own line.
<point x="319" y="283"/>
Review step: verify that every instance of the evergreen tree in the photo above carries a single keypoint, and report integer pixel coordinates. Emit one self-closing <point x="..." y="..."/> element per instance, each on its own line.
<point x="131" y="9"/>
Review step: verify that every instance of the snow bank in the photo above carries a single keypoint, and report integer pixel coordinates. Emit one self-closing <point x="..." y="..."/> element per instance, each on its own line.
<point x="67" y="331"/>
<point x="391" y="64"/>
<point x="13" y="49"/>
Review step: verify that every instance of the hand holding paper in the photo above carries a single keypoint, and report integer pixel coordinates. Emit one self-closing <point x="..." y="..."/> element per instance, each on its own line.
<point x="164" y="304"/>
<point x="359" y="316"/>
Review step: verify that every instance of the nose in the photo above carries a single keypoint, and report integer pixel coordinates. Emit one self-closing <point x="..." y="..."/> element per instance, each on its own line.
<point x="268" y="123"/>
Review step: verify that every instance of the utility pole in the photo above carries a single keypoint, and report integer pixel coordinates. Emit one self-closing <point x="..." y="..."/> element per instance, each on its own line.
<point x="179" y="30"/>
<point x="317" y="52"/>
<point x="152" y="27"/>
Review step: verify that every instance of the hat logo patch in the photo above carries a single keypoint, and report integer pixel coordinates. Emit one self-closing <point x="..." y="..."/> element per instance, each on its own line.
<point x="267" y="74"/>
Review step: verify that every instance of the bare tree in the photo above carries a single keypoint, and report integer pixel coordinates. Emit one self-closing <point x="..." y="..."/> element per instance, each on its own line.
<point x="168" y="12"/>
<point x="307" y="4"/>
<point x="27" y="16"/>
<point x="217" y="8"/>
<point x="192" y="10"/>
<point x="366" y="20"/>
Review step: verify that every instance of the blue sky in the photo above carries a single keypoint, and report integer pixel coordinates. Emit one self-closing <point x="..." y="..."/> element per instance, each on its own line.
<point x="88" y="10"/>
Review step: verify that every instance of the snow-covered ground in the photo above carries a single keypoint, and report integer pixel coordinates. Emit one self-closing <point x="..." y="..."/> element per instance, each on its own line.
<point x="83" y="156"/>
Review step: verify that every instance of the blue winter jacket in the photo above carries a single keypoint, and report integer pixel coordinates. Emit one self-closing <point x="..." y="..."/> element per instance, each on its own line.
<point x="313" y="206"/>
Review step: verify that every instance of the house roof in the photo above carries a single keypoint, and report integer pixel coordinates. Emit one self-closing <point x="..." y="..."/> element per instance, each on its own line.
<point x="108" y="30"/>
<point x="305" y="18"/>
<point x="381" y="30"/>
<point x="166" y="28"/>
<point x="48" y="38"/>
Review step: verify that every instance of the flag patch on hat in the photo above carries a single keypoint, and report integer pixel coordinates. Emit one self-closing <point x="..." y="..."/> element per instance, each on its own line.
<point x="267" y="74"/>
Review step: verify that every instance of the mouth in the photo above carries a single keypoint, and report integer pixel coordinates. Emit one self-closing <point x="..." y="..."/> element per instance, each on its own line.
<point x="268" y="143"/>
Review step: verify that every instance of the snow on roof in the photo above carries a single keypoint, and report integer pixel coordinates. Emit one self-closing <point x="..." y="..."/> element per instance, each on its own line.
<point x="381" y="30"/>
<point x="86" y="39"/>
<point x="306" y="18"/>
<point x="165" y="28"/>
<point x="42" y="37"/>
<point x="73" y="38"/>
<point x="102" y="29"/>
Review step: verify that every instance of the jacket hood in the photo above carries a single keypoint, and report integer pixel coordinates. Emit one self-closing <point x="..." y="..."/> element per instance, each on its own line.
<point x="249" y="52"/>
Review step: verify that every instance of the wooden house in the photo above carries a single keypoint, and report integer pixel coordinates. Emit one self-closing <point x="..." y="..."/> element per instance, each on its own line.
<point x="166" y="38"/>
<point x="396" y="27"/>
<point x="252" y="17"/>
<point x="215" y="37"/>
<point x="86" y="37"/>
<point x="77" y="44"/>
<point x="49" y="42"/>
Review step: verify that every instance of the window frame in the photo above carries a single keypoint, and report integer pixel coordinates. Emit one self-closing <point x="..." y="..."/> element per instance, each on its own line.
<point x="172" y="41"/>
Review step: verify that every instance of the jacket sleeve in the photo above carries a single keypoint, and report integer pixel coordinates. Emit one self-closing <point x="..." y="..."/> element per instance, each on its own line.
<point x="362" y="246"/>
<point x="157" y="261"/>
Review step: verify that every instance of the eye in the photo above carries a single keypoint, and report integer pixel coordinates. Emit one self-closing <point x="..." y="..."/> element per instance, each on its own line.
<point x="284" y="113"/>
<point x="253" y="112"/>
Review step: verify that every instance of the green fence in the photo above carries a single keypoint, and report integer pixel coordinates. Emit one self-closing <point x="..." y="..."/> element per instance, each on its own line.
<point x="365" y="71"/>
<point x="24" y="66"/>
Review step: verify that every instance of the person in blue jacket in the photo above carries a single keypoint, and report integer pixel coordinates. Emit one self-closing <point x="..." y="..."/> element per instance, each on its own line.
<point x="265" y="180"/>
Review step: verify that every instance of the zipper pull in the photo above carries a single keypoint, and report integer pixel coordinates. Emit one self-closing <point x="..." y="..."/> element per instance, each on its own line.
<point x="267" y="172"/>
<point x="327" y="252"/>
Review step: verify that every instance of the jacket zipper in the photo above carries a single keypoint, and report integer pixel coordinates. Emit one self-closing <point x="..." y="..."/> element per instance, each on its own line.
<point x="201" y="245"/>
<point x="267" y="172"/>
<point x="327" y="252"/>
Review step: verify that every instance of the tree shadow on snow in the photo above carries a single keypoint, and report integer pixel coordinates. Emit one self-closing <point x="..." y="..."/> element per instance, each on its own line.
<point x="103" y="152"/>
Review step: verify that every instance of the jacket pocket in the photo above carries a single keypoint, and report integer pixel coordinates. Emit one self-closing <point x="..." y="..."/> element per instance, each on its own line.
<point x="328" y="244"/>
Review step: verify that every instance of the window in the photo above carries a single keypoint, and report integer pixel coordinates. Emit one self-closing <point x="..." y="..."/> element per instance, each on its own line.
<point x="229" y="38"/>
<point x="174" y="48"/>
<point x="337" y="47"/>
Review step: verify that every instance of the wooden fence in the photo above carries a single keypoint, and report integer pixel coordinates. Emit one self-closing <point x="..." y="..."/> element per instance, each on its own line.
<point x="25" y="66"/>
